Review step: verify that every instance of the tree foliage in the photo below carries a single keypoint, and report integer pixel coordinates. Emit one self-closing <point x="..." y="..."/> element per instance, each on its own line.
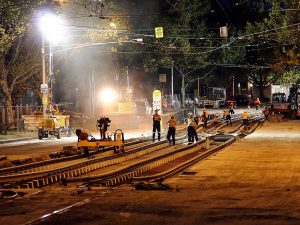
<point x="275" y="41"/>
<point x="18" y="58"/>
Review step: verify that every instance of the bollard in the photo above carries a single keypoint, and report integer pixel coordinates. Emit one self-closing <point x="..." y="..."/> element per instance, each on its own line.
<point x="18" y="118"/>
<point x="207" y="142"/>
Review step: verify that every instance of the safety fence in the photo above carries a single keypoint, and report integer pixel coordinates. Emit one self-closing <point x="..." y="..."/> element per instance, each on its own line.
<point x="21" y="110"/>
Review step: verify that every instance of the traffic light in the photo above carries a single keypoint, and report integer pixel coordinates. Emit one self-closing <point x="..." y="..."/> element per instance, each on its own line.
<point x="203" y="91"/>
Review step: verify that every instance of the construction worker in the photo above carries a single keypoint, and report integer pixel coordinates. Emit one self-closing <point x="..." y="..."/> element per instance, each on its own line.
<point x="205" y="118"/>
<point x="245" y="117"/>
<point x="192" y="127"/>
<point x="172" y="129"/>
<point x="156" y="124"/>
<point x="227" y="117"/>
<point x="231" y="111"/>
<point x="257" y="103"/>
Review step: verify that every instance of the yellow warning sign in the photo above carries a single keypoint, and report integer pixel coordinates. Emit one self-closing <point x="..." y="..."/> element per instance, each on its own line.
<point x="156" y="100"/>
<point x="45" y="100"/>
<point x="159" y="33"/>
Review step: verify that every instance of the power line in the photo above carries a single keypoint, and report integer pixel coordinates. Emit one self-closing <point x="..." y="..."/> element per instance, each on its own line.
<point x="226" y="15"/>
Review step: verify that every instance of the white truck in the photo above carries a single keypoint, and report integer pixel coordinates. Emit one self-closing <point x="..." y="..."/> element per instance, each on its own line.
<point x="215" y="97"/>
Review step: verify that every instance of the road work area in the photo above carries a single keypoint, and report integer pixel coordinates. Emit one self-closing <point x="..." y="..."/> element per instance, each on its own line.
<point x="253" y="181"/>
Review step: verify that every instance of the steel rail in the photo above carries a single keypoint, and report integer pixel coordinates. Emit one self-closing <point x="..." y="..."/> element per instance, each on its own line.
<point x="28" y="166"/>
<point x="38" y="179"/>
<point x="115" y="178"/>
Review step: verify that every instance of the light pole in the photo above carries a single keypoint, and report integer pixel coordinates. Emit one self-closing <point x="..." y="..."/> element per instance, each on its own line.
<point x="172" y="84"/>
<point x="44" y="85"/>
<point x="251" y="90"/>
<point x="51" y="27"/>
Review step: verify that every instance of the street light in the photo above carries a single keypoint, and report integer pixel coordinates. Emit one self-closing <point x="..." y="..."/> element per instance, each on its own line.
<point x="251" y="90"/>
<point x="51" y="29"/>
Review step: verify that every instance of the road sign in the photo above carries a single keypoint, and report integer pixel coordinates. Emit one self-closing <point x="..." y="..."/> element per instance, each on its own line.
<point x="162" y="78"/>
<point x="157" y="100"/>
<point x="44" y="88"/>
<point x="223" y="32"/>
<point x="159" y="33"/>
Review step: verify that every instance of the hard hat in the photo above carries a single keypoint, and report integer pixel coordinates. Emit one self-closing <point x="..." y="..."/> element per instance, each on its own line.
<point x="190" y="113"/>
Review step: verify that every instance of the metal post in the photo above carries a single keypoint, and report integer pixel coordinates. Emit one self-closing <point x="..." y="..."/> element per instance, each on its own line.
<point x="207" y="142"/>
<point x="44" y="73"/>
<point x="93" y="94"/>
<point x="50" y="75"/>
<point x="198" y="91"/>
<point x="127" y="77"/>
<point x="18" y="117"/>
<point x="233" y="85"/>
<point x="172" y="84"/>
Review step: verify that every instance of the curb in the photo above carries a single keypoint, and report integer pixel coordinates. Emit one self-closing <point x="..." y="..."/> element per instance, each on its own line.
<point x="15" y="140"/>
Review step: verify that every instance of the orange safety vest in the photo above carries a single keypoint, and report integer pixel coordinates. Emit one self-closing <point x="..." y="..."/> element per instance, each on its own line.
<point x="156" y="117"/>
<point x="200" y="119"/>
<point x="245" y="116"/>
<point x="225" y="113"/>
<point x="192" y="123"/>
<point x="172" y="122"/>
<point x="256" y="101"/>
<point x="205" y="114"/>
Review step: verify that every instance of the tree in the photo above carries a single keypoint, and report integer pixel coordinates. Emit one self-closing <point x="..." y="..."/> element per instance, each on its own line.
<point x="274" y="43"/>
<point x="18" y="61"/>
<point x="184" y="32"/>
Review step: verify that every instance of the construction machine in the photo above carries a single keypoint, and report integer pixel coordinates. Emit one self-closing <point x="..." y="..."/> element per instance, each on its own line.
<point x="86" y="141"/>
<point x="55" y="125"/>
<point x="290" y="106"/>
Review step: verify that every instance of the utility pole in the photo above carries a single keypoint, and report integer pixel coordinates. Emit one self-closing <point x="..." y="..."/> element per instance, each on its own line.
<point x="50" y="76"/>
<point x="172" y="84"/>
<point x="127" y="77"/>
<point x="198" y="91"/>
<point x="233" y="85"/>
<point x="44" y="74"/>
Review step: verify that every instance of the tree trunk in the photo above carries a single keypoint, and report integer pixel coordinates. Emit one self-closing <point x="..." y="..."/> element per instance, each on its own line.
<point x="182" y="90"/>
<point x="7" y="104"/>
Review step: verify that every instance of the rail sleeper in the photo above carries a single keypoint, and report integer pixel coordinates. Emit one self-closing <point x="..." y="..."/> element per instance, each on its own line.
<point x="35" y="183"/>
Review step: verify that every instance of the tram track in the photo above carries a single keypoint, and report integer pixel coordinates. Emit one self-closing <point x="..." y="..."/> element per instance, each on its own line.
<point x="164" y="165"/>
<point x="30" y="178"/>
<point x="44" y="173"/>
<point x="58" y="162"/>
